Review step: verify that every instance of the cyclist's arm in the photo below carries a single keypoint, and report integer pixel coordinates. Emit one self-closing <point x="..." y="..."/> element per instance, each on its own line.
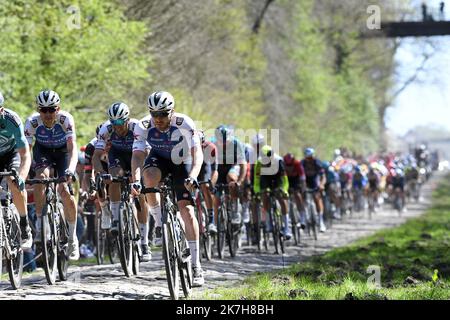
<point x="197" y="160"/>
<point x="22" y="148"/>
<point x="73" y="154"/>
<point x="257" y="177"/>
<point x="96" y="160"/>
<point x="137" y="160"/>
<point x="242" y="172"/>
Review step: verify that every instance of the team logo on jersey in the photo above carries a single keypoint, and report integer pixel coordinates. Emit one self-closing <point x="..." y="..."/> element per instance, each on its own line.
<point x="145" y="124"/>
<point x="110" y="128"/>
<point x="34" y="123"/>
<point x="179" y="121"/>
<point x="62" y="119"/>
<point x="69" y="127"/>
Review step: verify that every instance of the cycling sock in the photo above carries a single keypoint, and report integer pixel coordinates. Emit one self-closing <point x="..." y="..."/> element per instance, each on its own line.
<point x="72" y="230"/>
<point x="245" y="212"/>
<point x="211" y="215"/>
<point x="156" y="213"/>
<point x="104" y="207"/>
<point x="115" y="206"/>
<point x="285" y="220"/>
<point x="23" y="221"/>
<point x="143" y="227"/>
<point x="193" y="246"/>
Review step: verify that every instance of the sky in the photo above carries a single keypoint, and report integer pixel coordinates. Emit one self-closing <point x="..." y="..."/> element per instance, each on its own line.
<point x="427" y="101"/>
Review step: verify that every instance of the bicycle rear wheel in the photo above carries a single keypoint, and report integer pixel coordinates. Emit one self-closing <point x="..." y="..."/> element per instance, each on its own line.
<point x="185" y="266"/>
<point x="136" y="242"/>
<point x="170" y="257"/>
<point x="15" y="260"/>
<point x="49" y="243"/>
<point x="113" y="248"/>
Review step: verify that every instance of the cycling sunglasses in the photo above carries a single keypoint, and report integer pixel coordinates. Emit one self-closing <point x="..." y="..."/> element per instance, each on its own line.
<point x="47" y="110"/>
<point x="159" y="114"/>
<point x="118" y="122"/>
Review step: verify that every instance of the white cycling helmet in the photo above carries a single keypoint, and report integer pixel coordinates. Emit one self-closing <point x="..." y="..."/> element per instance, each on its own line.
<point x="2" y="100"/>
<point x="258" y="140"/>
<point x="118" y="111"/>
<point x="161" y="101"/>
<point x="47" y="98"/>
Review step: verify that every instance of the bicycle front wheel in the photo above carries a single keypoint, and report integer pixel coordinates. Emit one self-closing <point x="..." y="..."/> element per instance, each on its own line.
<point x="49" y="243"/>
<point x="15" y="259"/>
<point x="170" y="258"/>
<point x="63" y="237"/>
<point x="125" y="242"/>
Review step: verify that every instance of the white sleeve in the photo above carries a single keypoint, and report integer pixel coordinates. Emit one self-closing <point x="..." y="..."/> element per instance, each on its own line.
<point x="140" y="134"/>
<point x="69" y="125"/>
<point x="30" y="130"/>
<point x="103" y="136"/>
<point x="190" y="132"/>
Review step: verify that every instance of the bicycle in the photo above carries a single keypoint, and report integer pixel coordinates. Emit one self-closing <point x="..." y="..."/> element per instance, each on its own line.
<point x="104" y="241"/>
<point x="260" y="232"/>
<point x="128" y="234"/>
<point x="311" y="212"/>
<point x="54" y="231"/>
<point x="176" y="252"/>
<point x="275" y="223"/>
<point x="225" y="229"/>
<point x="10" y="236"/>
<point x="202" y="217"/>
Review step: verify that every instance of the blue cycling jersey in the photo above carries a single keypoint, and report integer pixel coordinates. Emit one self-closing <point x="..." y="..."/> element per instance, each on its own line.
<point x="12" y="135"/>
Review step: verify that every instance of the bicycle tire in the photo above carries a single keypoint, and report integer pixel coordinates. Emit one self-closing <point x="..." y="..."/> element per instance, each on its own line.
<point x="100" y="242"/>
<point x="1" y="243"/>
<point x="14" y="263"/>
<point x="314" y="221"/>
<point x="63" y="238"/>
<point x="170" y="258"/>
<point x="125" y="244"/>
<point x="135" y="245"/>
<point x="49" y="246"/>
<point x="221" y="232"/>
<point x="185" y="267"/>
<point x="113" y="248"/>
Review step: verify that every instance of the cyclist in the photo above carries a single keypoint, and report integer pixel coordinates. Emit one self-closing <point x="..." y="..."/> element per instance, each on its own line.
<point x="398" y="185"/>
<point x="270" y="174"/>
<point x="315" y="179"/>
<point x="174" y="148"/>
<point x="373" y="179"/>
<point x="15" y="156"/>
<point x="359" y="183"/>
<point x="297" y="183"/>
<point x="232" y="166"/>
<point x="119" y="133"/>
<point x="89" y="175"/>
<point x="55" y="148"/>
<point x="208" y="172"/>
<point x="333" y="187"/>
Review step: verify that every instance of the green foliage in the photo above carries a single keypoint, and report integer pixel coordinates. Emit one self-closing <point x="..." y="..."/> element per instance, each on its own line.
<point x="89" y="54"/>
<point x="335" y="100"/>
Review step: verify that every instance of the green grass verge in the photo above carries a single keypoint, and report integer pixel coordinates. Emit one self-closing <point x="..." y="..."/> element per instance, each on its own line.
<point x="407" y="257"/>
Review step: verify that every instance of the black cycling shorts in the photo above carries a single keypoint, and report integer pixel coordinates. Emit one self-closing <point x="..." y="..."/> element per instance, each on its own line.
<point x="179" y="172"/>
<point x="119" y="159"/>
<point x="9" y="161"/>
<point x="58" y="159"/>
<point x="295" y="183"/>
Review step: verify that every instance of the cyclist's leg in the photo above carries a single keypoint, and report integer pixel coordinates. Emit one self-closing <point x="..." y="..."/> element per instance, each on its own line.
<point x="61" y="161"/>
<point x="232" y="176"/>
<point x="42" y="167"/>
<point x="153" y="170"/>
<point x="10" y="162"/>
